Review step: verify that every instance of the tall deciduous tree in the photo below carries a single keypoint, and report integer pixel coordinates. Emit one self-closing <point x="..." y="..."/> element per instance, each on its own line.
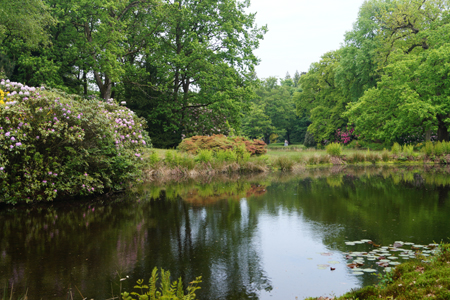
<point x="322" y="98"/>
<point x="204" y="62"/>
<point x="412" y="96"/>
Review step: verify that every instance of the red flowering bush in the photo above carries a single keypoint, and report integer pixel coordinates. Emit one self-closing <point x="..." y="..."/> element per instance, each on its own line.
<point x="220" y="142"/>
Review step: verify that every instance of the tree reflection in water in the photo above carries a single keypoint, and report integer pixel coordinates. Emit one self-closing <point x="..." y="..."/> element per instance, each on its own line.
<point x="212" y="229"/>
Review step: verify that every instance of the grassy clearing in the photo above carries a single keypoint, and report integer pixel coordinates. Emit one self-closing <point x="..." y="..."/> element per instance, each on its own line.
<point x="413" y="280"/>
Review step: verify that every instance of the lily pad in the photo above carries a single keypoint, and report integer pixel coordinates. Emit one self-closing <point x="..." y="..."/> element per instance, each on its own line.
<point x="357" y="273"/>
<point x="350" y="243"/>
<point x="394" y="263"/>
<point x="334" y="262"/>
<point x="369" y="270"/>
<point x="392" y="257"/>
<point x="326" y="253"/>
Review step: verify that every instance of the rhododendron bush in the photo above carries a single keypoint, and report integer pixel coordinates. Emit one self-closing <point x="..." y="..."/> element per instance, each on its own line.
<point x="221" y="142"/>
<point x="53" y="144"/>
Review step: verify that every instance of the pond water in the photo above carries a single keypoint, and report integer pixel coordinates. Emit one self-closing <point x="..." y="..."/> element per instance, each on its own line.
<point x="271" y="236"/>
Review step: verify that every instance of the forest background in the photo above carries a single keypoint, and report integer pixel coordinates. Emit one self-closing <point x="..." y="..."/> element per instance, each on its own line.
<point x="187" y="67"/>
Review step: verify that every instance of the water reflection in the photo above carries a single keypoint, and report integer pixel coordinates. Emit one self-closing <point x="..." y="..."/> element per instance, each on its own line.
<point x="249" y="238"/>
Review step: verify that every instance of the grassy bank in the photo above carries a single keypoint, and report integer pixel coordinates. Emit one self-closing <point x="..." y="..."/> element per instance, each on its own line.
<point x="163" y="162"/>
<point x="417" y="279"/>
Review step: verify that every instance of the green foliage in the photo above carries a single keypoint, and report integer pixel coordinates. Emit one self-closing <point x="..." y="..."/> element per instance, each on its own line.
<point x="438" y="149"/>
<point x="220" y="142"/>
<point x="283" y="163"/>
<point x="428" y="148"/>
<point x="226" y="155"/>
<point x="273" y="112"/>
<point x="334" y="149"/>
<point x="385" y="155"/>
<point x="396" y="148"/>
<point x="357" y="157"/>
<point x="309" y="140"/>
<point x="204" y="156"/>
<point x="321" y="99"/>
<point x="372" y="157"/>
<point x="166" y="290"/>
<point x="154" y="158"/>
<point x="53" y="145"/>
<point x="408" y="150"/>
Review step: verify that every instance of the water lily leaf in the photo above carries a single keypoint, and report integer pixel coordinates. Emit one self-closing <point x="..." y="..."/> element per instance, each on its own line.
<point x="357" y="273"/>
<point x="398" y="244"/>
<point x="309" y="258"/>
<point x="334" y="262"/>
<point x="392" y="257"/>
<point x="369" y="270"/>
<point x="387" y="269"/>
<point x="365" y="241"/>
<point x="326" y="253"/>
<point x="321" y="268"/>
<point x="394" y="263"/>
<point x="350" y="243"/>
<point x="384" y="260"/>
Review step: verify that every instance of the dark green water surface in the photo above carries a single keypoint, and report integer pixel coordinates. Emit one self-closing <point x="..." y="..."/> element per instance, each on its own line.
<point x="261" y="237"/>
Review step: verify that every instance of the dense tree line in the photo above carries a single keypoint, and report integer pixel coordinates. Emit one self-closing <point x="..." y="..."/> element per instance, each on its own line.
<point x="186" y="66"/>
<point x="390" y="79"/>
<point x="272" y="112"/>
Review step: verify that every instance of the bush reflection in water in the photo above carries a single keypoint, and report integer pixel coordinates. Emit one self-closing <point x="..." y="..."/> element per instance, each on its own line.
<point x="90" y="244"/>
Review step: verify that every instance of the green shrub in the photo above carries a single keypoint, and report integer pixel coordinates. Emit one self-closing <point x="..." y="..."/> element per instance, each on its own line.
<point x="154" y="158"/>
<point x="309" y="140"/>
<point x="357" y="157"/>
<point x="283" y="163"/>
<point x="334" y="149"/>
<point x="167" y="290"/>
<point x="438" y="149"/>
<point x="204" y="156"/>
<point x="408" y="150"/>
<point x="446" y="147"/>
<point x="324" y="159"/>
<point x="428" y="148"/>
<point x="372" y="157"/>
<point x="396" y="149"/>
<point x="53" y="145"/>
<point x="220" y="142"/>
<point x="385" y="155"/>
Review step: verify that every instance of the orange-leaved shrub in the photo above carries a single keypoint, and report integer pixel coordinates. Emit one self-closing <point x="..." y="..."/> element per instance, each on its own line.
<point x="221" y="142"/>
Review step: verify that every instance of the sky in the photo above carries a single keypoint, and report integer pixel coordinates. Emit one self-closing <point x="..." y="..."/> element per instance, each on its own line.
<point x="300" y="32"/>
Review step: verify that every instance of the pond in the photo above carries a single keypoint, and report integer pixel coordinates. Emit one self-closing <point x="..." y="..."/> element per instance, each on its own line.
<point x="274" y="236"/>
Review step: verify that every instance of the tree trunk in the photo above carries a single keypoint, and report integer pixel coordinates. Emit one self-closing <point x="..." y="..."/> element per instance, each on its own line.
<point x="442" y="129"/>
<point x="428" y="135"/>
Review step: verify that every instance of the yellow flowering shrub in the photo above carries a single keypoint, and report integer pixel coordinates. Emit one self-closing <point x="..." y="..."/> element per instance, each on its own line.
<point x="2" y="97"/>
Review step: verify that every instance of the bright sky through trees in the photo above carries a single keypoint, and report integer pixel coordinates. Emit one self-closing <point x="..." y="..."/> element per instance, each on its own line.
<point x="300" y="32"/>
